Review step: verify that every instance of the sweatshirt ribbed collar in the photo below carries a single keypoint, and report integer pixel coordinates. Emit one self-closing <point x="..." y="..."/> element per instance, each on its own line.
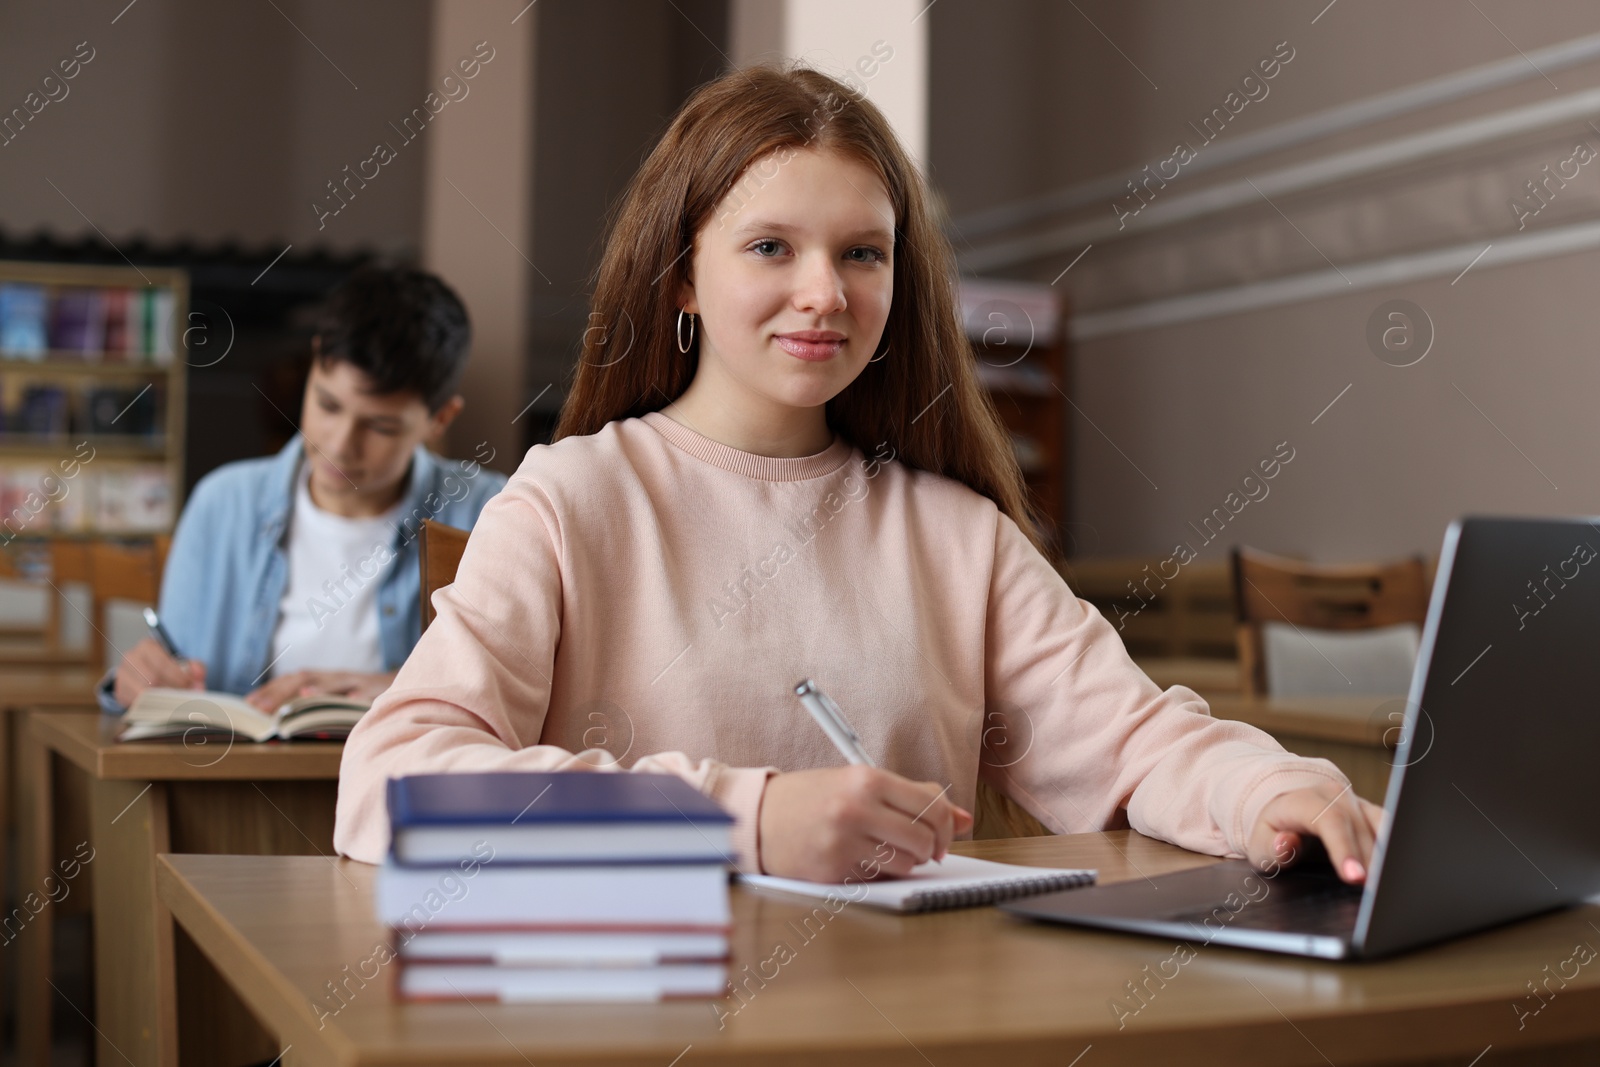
<point x="766" y="468"/>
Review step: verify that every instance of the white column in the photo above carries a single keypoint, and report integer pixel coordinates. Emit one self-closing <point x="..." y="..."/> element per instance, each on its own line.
<point x="478" y="209"/>
<point x="881" y="44"/>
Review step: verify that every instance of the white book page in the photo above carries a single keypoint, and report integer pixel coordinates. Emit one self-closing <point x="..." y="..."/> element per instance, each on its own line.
<point x="159" y="712"/>
<point x="951" y="872"/>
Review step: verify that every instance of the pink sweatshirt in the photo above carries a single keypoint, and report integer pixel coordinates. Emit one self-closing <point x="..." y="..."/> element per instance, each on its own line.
<point x="646" y="598"/>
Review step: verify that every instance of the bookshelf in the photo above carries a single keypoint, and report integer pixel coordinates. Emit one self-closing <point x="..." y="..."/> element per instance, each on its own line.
<point x="92" y="399"/>
<point x="1018" y="336"/>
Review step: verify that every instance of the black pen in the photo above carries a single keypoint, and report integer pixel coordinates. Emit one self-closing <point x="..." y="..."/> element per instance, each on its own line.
<point x="153" y="621"/>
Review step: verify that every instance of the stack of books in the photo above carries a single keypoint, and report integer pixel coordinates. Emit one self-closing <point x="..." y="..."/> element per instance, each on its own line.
<point x="567" y="886"/>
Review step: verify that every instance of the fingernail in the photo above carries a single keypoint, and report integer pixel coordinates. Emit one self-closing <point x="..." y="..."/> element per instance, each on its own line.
<point x="1353" y="871"/>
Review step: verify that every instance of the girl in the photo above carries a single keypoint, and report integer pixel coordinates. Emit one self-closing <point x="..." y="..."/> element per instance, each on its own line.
<point x="775" y="302"/>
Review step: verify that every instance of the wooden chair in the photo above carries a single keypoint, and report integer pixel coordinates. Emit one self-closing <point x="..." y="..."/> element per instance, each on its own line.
<point x="69" y="565"/>
<point x="163" y="545"/>
<point x="120" y="571"/>
<point x="55" y="561"/>
<point x="1320" y="596"/>
<point x="14" y="567"/>
<point x="439" y="550"/>
<point x="1179" y="630"/>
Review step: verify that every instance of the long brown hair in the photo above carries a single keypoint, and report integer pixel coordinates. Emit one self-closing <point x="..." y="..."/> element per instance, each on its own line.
<point x="921" y="399"/>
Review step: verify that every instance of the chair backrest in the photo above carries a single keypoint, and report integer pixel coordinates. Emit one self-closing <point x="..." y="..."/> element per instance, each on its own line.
<point x="69" y="565"/>
<point x="439" y="550"/>
<point x="163" y="545"/>
<point x="1311" y="596"/>
<point x="125" y="571"/>
<point x="120" y="570"/>
<point x="69" y="561"/>
<point x="14" y="567"/>
<point x="1159" y="610"/>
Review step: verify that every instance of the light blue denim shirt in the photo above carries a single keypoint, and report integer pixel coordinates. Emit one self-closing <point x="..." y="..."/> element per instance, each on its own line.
<point x="229" y="566"/>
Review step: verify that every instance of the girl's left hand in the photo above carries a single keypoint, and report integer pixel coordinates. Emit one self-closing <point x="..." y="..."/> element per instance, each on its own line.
<point x="1347" y="825"/>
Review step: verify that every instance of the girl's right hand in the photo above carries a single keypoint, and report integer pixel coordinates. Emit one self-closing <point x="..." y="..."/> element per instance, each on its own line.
<point x="822" y="825"/>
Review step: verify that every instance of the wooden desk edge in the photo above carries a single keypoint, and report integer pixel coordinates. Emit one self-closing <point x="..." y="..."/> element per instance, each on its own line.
<point x="266" y="991"/>
<point x="296" y="760"/>
<point x="273" y="996"/>
<point x="1320" y="727"/>
<point x="45" y="728"/>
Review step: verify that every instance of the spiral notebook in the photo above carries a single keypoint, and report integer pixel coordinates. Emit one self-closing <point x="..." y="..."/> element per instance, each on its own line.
<point x="953" y="882"/>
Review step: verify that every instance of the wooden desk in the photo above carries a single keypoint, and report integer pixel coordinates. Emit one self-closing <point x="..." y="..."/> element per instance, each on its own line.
<point x="1204" y="674"/>
<point x="66" y="688"/>
<point x="21" y="688"/>
<point x="971" y="987"/>
<point x="142" y="799"/>
<point x="1359" y="734"/>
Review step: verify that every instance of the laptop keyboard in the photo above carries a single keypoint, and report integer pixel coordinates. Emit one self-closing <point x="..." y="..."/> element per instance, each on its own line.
<point x="1329" y="908"/>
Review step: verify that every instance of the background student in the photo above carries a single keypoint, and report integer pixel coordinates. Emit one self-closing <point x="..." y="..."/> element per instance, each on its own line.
<point x="297" y="573"/>
<point x="706" y="531"/>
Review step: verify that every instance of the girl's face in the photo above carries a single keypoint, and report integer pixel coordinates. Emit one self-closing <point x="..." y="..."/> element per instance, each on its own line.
<point x="791" y="279"/>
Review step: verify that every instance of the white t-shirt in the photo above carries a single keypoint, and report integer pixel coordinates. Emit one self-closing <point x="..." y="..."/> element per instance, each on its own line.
<point x="328" y="617"/>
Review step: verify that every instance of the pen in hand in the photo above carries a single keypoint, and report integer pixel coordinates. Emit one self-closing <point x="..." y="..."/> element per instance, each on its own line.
<point x="164" y="639"/>
<point x="833" y="722"/>
<point x="159" y="632"/>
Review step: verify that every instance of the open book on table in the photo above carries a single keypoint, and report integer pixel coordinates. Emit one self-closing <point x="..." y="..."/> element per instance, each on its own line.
<point x="159" y="713"/>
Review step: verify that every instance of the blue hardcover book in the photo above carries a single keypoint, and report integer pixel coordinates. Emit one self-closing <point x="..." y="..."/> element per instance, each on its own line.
<point x="23" y="310"/>
<point x="563" y="817"/>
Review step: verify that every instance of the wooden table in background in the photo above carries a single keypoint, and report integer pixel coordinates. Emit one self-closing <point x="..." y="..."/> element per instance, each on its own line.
<point x="968" y="987"/>
<point x="1359" y="734"/>
<point x="21" y="688"/>
<point x="1204" y="674"/>
<point x="142" y="799"/>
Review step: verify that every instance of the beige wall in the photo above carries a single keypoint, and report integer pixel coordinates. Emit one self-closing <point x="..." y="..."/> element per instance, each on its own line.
<point x="881" y="46"/>
<point x="1179" y="414"/>
<point x="214" y="122"/>
<point x="477" y="210"/>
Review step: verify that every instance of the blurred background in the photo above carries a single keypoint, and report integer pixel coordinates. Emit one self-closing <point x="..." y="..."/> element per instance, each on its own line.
<point x="1211" y="314"/>
<point x="1305" y="277"/>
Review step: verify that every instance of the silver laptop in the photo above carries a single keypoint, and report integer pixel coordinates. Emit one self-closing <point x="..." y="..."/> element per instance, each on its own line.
<point x="1493" y="814"/>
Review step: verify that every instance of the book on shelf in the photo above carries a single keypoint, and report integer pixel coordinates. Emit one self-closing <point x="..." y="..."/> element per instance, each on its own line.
<point x="568" y="886"/>
<point x="23" y="312"/>
<point x="998" y="311"/>
<point x="1025" y="377"/>
<point x="44" y="411"/>
<point x="22" y="494"/>
<point x="124" y="411"/>
<point x="160" y="713"/>
<point x="94" y="323"/>
<point x="73" y="497"/>
<point x="133" y="498"/>
<point x="78" y="321"/>
<point x="38" y="405"/>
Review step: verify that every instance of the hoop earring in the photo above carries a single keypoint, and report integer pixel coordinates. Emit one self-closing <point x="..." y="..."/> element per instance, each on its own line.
<point x="683" y="346"/>
<point x="879" y="355"/>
